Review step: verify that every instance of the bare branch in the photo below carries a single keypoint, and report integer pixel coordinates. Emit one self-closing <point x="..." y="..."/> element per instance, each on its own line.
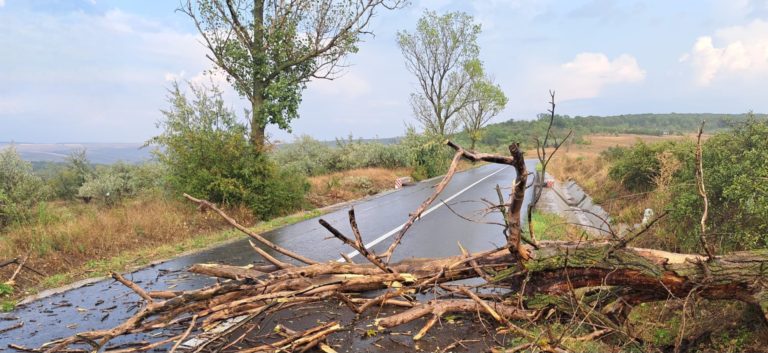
<point x="703" y="194"/>
<point x="258" y="237"/>
<point x="423" y="207"/>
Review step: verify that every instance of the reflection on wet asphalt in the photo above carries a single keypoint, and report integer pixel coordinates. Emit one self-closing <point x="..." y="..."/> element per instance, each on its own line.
<point x="106" y="303"/>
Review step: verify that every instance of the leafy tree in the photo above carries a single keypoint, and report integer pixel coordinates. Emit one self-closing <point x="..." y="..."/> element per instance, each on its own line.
<point x="270" y="49"/>
<point x="443" y="55"/>
<point x="66" y="181"/>
<point x="20" y="188"/>
<point x="487" y="100"/>
<point x="207" y="153"/>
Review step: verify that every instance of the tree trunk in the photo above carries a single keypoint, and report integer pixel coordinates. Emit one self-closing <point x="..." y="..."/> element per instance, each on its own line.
<point x="258" y="126"/>
<point x="558" y="267"/>
<point x="258" y="123"/>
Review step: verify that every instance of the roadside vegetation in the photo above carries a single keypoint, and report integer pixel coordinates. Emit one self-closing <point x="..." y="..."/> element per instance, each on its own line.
<point x="68" y="217"/>
<point x="628" y="178"/>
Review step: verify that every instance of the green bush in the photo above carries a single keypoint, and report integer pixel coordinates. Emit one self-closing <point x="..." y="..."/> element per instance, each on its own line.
<point x="20" y="189"/>
<point x="65" y="180"/>
<point x="207" y="154"/>
<point x="638" y="167"/>
<point x="111" y="184"/>
<point x="312" y="157"/>
<point x="427" y="154"/>
<point x="735" y="171"/>
<point x="305" y="155"/>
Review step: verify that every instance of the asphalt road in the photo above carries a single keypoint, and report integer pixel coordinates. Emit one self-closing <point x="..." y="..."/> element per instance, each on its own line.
<point x="106" y="303"/>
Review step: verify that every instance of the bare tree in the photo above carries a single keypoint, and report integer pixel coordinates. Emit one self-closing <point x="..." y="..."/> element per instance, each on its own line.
<point x="443" y="55"/>
<point x="487" y="100"/>
<point x="270" y="49"/>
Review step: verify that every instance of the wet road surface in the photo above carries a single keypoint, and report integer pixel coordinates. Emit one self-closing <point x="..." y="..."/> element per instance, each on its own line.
<point x="105" y="304"/>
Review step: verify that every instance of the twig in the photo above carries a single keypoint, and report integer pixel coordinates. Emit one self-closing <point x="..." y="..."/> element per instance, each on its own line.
<point x="133" y="287"/>
<point x="355" y="245"/>
<point x="184" y="336"/>
<point x="271" y="259"/>
<point x="541" y="153"/>
<point x="12" y="327"/>
<point x="387" y="255"/>
<point x="494" y="314"/>
<point x="629" y="238"/>
<point x="256" y="236"/>
<point x="703" y="194"/>
<point x="11" y="280"/>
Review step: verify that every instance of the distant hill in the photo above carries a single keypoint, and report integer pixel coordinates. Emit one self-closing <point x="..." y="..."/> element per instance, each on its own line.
<point x="641" y="124"/>
<point x="98" y="153"/>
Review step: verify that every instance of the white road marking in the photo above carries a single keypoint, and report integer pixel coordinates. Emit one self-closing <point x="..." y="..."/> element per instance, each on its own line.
<point x="398" y="228"/>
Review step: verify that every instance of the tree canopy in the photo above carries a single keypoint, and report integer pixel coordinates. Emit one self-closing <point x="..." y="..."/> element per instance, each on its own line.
<point x="443" y="55"/>
<point x="270" y="49"/>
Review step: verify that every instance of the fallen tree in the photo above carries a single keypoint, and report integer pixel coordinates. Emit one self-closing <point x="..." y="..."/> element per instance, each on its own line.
<point x="537" y="278"/>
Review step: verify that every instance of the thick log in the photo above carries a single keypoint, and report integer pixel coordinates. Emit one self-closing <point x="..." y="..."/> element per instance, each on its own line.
<point x="557" y="267"/>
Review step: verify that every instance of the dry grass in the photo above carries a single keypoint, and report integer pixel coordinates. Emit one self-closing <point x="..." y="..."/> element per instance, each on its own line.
<point x="352" y="184"/>
<point x="599" y="143"/>
<point x="73" y="237"/>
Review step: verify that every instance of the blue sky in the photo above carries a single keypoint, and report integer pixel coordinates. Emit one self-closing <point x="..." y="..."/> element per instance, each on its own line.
<point x="98" y="70"/>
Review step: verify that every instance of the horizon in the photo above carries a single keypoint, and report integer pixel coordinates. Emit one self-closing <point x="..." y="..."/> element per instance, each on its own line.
<point x="293" y="138"/>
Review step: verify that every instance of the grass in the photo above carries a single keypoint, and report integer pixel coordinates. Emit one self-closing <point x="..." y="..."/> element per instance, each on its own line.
<point x="353" y="184"/>
<point x="82" y="241"/>
<point x="550" y="226"/>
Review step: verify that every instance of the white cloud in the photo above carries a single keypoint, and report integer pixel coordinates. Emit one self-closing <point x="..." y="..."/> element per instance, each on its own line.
<point x="738" y="51"/>
<point x="2" y="3"/>
<point x="350" y="85"/>
<point x="99" y="76"/>
<point x="588" y="73"/>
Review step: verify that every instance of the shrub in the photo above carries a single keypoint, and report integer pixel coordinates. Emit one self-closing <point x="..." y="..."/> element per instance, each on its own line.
<point x="65" y="180"/>
<point x="107" y="187"/>
<point x="110" y="184"/>
<point x="305" y="155"/>
<point x="207" y="154"/>
<point x="638" y="167"/>
<point x="20" y="189"/>
<point x="735" y="171"/>
<point x="427" y="154"/>
<point x="312" y="157"/>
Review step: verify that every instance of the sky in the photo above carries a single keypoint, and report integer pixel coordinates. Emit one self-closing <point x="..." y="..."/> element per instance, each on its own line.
<point x="100" y="70"/>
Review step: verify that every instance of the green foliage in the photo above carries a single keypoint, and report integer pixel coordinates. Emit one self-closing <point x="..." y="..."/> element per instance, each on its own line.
<point x="6" y="305"/>
<point x="20" y="189"/>
<point x="111" y="184"/>
<point x="65" y="180"/>
<point x="486" y="101"/>
<point x="268" y="56"/>
<point x="312" y="157"/>
<point x="735" y="173"/>
<point x="442" y="52"/>
<point x="427" y="154"/>
<point x="525" y="131"/>
<point x="637" y="167"/>
<point x="207" y="154"/>
<point x="735" y="170"/>
<point x="5" y="289"/>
